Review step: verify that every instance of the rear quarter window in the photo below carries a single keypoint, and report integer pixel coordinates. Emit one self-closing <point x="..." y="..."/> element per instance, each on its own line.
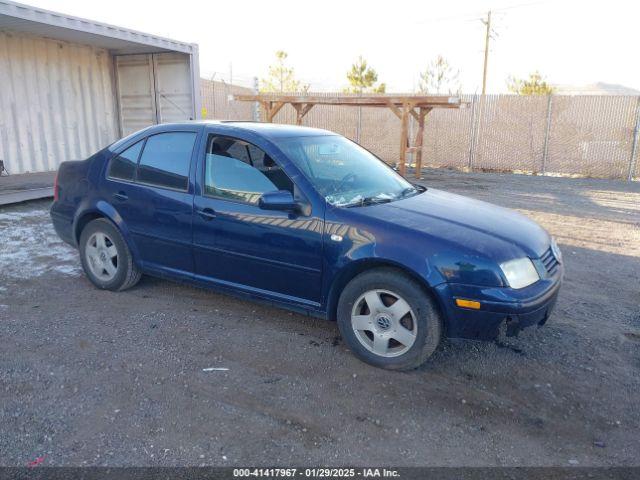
<point x="123" y="165"/>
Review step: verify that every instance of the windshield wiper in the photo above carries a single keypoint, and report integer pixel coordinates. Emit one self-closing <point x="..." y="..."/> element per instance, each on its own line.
<point x="407" y="191"/>
<point x="369" y="201"/>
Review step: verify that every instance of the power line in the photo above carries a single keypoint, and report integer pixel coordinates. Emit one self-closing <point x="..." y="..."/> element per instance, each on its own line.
<point x="476" y="14"/>
<point x="511" y="7"/>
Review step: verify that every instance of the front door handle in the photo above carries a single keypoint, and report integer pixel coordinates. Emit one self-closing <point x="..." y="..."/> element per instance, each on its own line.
<point x="121" y="196"/>
<point x="207" y="213"/>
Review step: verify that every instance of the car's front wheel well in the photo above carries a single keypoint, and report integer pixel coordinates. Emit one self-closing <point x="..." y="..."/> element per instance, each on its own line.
<point x="355" y="269"/>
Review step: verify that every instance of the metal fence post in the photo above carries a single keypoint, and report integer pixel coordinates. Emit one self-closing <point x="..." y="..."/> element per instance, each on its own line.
<point x="359" y="125"/>
<point x="256" y="105"/>
<point x="634" y="144"/>
<point x="212" y="83"/>
<point x="547" y="130"/>
<point x="474" y="130"/>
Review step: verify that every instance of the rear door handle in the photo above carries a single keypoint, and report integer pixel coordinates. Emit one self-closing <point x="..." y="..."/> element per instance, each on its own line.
<point x="207" y="213"/>
<point x="121" y="196"/>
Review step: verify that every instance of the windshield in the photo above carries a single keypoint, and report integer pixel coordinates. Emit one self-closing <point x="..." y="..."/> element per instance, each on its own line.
<point x="345" y="173"/>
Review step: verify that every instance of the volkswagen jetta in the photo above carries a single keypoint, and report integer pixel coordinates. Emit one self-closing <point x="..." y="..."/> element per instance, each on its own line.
<point x="308" y="220"/>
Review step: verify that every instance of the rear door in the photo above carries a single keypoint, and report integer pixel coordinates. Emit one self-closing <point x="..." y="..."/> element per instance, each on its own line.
<point x="237" y="243"/>
<point x="149" y="184"/>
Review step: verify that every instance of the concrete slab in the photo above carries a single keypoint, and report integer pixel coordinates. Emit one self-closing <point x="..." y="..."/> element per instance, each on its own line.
<point x="26" y="186"/>
<point x="25" y="195"/>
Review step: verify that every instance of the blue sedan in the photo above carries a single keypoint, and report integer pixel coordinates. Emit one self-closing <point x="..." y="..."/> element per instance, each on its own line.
<point x="310" y="221"/>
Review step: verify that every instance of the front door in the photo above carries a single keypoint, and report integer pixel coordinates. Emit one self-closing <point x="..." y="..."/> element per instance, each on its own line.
<point x="271" y="253"/>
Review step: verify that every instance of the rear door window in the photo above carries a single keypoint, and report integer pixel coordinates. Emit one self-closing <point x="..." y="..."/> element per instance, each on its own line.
<point x="166" y="159"/>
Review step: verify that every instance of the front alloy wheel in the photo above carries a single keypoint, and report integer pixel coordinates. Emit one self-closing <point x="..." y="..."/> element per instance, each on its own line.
<point x="384" y="323"/>
<point x="388" y="319"/>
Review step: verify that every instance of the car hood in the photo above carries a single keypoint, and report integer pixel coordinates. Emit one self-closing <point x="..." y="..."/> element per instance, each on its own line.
<point x="494" y="231"/>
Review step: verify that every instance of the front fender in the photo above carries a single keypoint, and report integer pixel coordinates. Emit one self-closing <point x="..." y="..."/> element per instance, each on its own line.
<point x="351" y="248"/>
<point x="348" y="242"/>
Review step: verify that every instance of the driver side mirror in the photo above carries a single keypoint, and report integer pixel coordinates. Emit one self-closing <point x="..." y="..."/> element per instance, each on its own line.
<point x="281" y="200"/>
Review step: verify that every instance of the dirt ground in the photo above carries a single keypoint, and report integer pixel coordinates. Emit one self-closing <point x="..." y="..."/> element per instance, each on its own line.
<point x="91" y="377"/>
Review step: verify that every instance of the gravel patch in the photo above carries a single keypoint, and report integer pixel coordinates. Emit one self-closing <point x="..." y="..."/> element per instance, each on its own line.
<point x="90" y="377"/>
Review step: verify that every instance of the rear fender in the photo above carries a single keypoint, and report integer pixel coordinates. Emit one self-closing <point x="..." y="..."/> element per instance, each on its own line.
<point x="106" y="210"/>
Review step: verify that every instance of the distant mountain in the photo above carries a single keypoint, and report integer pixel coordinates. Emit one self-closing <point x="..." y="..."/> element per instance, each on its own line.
<point x="599" y="88"/>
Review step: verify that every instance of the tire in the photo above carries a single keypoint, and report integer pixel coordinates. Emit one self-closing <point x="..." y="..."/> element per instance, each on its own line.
<point x="106" y="258"/>
<point x="418" y="331"/>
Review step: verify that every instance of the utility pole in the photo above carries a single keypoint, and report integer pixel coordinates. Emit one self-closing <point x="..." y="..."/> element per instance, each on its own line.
<point x="487" y="23"/>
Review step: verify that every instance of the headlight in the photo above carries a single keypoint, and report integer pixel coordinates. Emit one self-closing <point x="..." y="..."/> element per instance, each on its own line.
<point x="520" y="273"/>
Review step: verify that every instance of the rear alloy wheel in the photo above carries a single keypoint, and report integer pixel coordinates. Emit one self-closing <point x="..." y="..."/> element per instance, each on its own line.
<point x="102" y="256"/>
<point x="389" y="320"/>
<point x="106" y="258"/>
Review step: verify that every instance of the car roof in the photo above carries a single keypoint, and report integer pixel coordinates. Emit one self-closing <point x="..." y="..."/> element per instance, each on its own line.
<point x="268" y="130"/>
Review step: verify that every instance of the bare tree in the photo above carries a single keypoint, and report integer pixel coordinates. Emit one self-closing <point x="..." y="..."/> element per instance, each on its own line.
<point x="439" y="77"/>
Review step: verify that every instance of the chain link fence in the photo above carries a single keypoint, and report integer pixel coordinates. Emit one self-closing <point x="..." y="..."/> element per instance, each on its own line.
<point x="217" y="104"/>
<point x="594" y="136"/>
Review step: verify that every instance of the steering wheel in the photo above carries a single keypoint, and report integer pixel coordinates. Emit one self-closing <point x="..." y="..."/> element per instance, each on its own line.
<point x="343" y="180"/>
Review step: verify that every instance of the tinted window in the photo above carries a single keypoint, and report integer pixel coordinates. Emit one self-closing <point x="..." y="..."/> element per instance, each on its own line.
<point x="240" y="171"/>
<point x="165" y="160"/>
<point x="239" y="151"/>
<point x="123" y="166"/>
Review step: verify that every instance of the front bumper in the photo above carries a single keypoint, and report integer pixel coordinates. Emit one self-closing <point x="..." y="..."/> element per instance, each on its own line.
<point x="514" y="309"/>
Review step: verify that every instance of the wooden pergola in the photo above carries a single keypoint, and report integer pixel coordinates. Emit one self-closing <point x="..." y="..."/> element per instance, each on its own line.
<point x="417" y="106"/>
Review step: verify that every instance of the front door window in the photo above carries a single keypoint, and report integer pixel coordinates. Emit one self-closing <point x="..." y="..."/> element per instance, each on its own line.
<point x="236" y="170"/>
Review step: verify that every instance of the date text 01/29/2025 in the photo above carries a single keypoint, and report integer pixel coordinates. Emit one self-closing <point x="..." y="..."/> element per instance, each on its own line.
<point x="315" y="472"/>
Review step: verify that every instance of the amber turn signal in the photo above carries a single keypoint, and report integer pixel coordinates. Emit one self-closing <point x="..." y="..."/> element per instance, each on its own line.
<point x="468" y="303"/>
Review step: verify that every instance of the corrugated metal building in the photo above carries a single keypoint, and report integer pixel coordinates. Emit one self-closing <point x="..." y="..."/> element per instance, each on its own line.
<point x="70" y="86"/>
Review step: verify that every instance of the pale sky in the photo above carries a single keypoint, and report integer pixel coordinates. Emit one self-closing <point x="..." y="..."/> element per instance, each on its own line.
<point x="568" y="41"/>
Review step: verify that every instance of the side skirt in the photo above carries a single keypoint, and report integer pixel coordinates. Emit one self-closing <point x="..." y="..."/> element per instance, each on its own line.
<point x="294" y="304"/>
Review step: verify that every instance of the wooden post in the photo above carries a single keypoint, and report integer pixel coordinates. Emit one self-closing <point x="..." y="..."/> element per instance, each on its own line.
<point x="267" y="110"/>
<point x="298" y="108"/>
<point x="272" y="108"/>
<point x="403" y="138"/>
<point x="306" y="109"/>
<point x="418" y="141"/>
<point x="301" y="110"/>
